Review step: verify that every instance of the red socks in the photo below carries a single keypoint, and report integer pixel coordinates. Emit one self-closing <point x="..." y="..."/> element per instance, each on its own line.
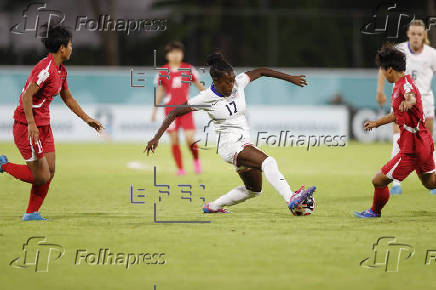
<point x="37" y="195"/>
<point x="177" y="155"/>
<point x="381" y="197"/>
<point x="21" y="172"/>
<point x="194" y="151"/>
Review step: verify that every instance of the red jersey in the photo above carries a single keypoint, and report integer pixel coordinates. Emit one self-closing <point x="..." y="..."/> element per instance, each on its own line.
<point x="414" y="136"/>
<point x="175" y="82"/>
<point x="50" y="79"/>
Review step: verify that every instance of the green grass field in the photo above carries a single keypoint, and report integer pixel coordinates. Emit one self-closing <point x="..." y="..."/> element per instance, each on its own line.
<point x="259" y="246"/>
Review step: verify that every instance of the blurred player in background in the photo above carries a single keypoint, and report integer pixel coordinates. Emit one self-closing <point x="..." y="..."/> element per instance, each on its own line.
<point x="32" y="131"/>
<point x="225" y="104"/>
<point x="420" y="64"/>
<point x="415" y="142"/>
<point x="175" y="85"/>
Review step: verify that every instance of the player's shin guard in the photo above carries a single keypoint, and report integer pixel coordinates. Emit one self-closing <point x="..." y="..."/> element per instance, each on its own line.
<point x="21" y="172"/>
<point x="381" y="197"/>
<point x="234" y="196"/>
<point x="37" y="196"/>
<point x="275" y="178"/>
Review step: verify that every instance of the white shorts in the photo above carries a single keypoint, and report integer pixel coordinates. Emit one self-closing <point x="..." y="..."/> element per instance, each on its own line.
<point x="428" y="105"/>
<point x="230" y="144"/>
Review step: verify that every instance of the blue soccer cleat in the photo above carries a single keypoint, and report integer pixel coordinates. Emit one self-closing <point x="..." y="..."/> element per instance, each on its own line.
<point x="433" y="191"/>
<point x="34" y="216"/>
<point x="299" y="197"/>
<point x="207" y="209"/>
<point x="396" y="190"/>
<point x="366" y="214"/>
<point x="3" y="160"/>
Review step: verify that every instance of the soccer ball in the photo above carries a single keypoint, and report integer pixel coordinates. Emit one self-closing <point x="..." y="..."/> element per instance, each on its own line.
<point x="306" y="208"/>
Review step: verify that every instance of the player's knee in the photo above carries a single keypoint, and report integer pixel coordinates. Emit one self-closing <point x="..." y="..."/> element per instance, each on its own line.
<point x="41" y="179"/>
<point x="428" y="184"/>
<point x="377" y="183"/>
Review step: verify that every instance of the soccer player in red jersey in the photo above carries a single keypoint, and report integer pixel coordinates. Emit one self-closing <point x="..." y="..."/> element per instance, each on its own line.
<point x="32" y="132"/>
<point x="175" y="84"/>
<point x="416" y="141"/>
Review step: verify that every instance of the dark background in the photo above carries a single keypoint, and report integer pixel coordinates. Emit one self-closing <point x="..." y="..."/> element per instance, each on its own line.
<point x="250" y="33"/>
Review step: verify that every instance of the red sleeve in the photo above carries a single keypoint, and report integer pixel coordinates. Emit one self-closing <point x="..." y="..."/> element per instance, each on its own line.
<point x="41" y="73"/>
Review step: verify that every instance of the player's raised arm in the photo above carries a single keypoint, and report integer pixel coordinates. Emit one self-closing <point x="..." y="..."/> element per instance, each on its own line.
<point x="177" y="112"/>
<point x="266" y="72"/>
<point x="74" y="106"/>
<point x="382" y="121"/>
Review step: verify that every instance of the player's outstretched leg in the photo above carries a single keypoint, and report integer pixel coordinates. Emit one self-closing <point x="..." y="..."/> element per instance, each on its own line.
<point x="381" y="197"/>
<point x="396" y="185"/>
<point x="252" y="187"/>
<point x="252" y="157"/>
<point x="18" y="171"/>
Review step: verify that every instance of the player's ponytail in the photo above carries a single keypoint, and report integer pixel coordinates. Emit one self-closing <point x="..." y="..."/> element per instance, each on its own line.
<point x="218" y="64"/>
<point x="419" y="22"/>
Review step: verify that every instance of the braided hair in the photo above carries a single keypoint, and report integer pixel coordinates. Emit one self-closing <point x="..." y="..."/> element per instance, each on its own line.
<point x="218" y="65"/>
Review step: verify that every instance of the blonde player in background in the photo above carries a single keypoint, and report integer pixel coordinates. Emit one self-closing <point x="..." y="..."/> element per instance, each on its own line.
<point x="420" y="64"/>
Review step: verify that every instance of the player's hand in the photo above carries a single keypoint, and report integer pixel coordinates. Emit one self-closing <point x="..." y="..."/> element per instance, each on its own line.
<point x="151" y="145"/>
<point x="95" y="124"/>
<point x="405" y="105"/>
<point x="299" y="80"/>
<point x="369" y="125"/>
<point x="381" y="98"/>
<point x="33" y="132"/>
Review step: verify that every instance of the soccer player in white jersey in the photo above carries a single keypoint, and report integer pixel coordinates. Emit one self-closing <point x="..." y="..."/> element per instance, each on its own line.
<point x="420" y="64"/>
<point x="225" y="104"/>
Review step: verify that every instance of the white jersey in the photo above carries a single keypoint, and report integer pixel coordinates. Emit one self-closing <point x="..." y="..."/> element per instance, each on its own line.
<point x="420" y="66"/>
<point x="227" y="113"/>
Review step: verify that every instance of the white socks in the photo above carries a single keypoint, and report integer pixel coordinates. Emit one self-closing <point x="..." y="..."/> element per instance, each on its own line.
<point x="240" y="193"/>
<point x="275" y="178"/>
<point x="234" y="196"/>
<point x="395" y="151"/>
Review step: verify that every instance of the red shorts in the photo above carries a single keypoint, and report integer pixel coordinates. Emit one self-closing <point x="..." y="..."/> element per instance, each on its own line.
<point x="186" y="121"/>
<point x="32" y="151"/>
<point x="402" y="165"/>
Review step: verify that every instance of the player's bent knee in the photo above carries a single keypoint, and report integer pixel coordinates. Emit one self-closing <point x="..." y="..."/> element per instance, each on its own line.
<point x="428" y="184"/>
<point x="41" y="180"/>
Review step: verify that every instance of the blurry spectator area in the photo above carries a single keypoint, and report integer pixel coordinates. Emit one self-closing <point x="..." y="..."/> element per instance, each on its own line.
<point x="276" y="33"/>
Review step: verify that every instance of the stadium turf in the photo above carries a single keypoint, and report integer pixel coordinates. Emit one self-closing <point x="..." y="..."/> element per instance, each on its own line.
<point x="259" y="246"/>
